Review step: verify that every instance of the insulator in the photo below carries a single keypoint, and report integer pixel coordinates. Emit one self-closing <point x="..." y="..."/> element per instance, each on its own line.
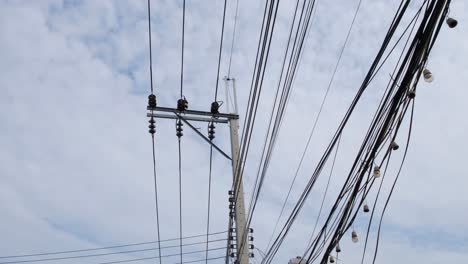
<point x="338" y="248"/>
<point x="354" y="237"/>
<point x="232" y="229"/>
<point x="251" y="246"/>
<point x="182" y="104"/>
<point x="366" y="208"/>
<point x="231" y="214"/>
<point x="179" y="129"/>
<point x="231" y="206"/>
<point x="411" y="94"/>
<point x="215" y="108"/>
<point x="394" y="145"/>
<point x="232" y="238"/>
<point x="211" y="131"/>
<point x="251" y="255"/>
<point x="152" y="127"/>
<point x="232" y="254"/>
<point x="332" y="259"/>
<point x="451" y="22"/>
<point x="251" y="238"/>
<point x="152" y="100"/>
<point x="250" y="230"/>
<point x="230" y="192"/>
<point x="231" y="199"/>
<point x="427" y="74"/>
<point x="232" y="246"/>
<point x="376" y="172"/>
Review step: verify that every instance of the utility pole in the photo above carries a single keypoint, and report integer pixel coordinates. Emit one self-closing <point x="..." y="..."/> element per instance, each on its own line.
<point x="232" y="119"/>
<point x="239" y="217"/>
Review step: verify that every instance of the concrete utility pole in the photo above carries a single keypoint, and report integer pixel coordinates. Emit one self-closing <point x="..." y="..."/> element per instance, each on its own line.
<point x="240" y="218"/>
<point x="232" y="118"/>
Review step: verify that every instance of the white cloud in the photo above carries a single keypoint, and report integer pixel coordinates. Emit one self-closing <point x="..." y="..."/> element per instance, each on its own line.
<point x="75" y="156"/>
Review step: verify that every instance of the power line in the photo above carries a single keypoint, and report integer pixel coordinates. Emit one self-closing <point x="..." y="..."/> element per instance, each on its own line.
<point x="109" y="253"/>
<point x="152" y="134"/>
<point x="108" y="247"/>
<point x="220" y="50"/>
<point x="180" y="199"/>
<point x="182" y="51"/>
<point x="233" y="38"/>
<point x="148" y="258"/>
<point x="150" y="48"/>
<point x="209" y="202"/>
<point x="156" y="194"/>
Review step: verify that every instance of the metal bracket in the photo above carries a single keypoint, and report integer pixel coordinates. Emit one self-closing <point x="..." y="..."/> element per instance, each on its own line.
<point x="193" y="112"/>
<point x="191" y="118"/>
<point x="203" y="136"/>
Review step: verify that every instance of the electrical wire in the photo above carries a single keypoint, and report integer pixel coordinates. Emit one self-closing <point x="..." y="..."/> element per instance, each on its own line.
<point x="324" y="194"/>
<point x="106" y="254"/>
<point x="182" y="51"/>
<point x="148" y="258"/>
<point x="180" y="199"/>
<point x="110" y="247"/>
<point x="220" y="50"/>
<point x="316" y="120"/>
<point x="233" y="39"/>
<point x="152" y="135"/>
<point x="156" y="194"/>
<point x="373" y="140"/>
<point x="150" y="47"/>
<point x="209" y="202"/>
<point x="395" y="181"/>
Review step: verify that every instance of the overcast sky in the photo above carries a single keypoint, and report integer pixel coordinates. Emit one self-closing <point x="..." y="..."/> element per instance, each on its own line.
<point x="75" y="153"/>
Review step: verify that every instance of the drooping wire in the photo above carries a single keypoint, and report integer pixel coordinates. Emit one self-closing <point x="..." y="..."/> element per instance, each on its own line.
<point x="107" y="254"/>
<point x="233" y="39"/>
<point x="317" y="117"/>
<point x="111" y="247"/>
<point x="156" y="195"/>
<point x="394" y="183"/>
<point x="166" y="256"/>
<point x="324" y="193"/>
<point x="150" y="47"/>
<point x="180" y="199"/>
<point x="220" y="50"/>
<point x="209" y="203"/>
<point x="152" y="134"/>
<point x="415" y="18"/>
<point x="182" y="51"/>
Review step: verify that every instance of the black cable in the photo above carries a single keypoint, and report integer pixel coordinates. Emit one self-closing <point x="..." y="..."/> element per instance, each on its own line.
<point x="200" y="260"/>
<point x="209" y="202"/>
<point x="396" y="179"/>
<point x="180" y="199"/>
<point x="258" y="78"/>
<point x="233" y="38"/>
<point x="413" y="62"/>
<point x="152" y="135"/>
<point x="109" y="253"/>
<point x="327" y="153"/>
<point x="108" y="247"/>
<point x="182" y="52"/>
<point x="148" y="258"/>
<point x="105" y="254"/>
<point x="150" y="49"/>
<point x="220" y="50"/>
<point x="415" y="18"/>
<point x="318" y="116"/>
<point x="156" y="196"/>
<point x="325" y="193"/>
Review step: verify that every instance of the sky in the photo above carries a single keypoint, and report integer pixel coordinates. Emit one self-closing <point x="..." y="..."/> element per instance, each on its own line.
<point x="76" y="157"/>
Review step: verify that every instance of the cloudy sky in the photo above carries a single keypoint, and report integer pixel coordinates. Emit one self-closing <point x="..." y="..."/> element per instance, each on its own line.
<point x="75" y="154"/>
